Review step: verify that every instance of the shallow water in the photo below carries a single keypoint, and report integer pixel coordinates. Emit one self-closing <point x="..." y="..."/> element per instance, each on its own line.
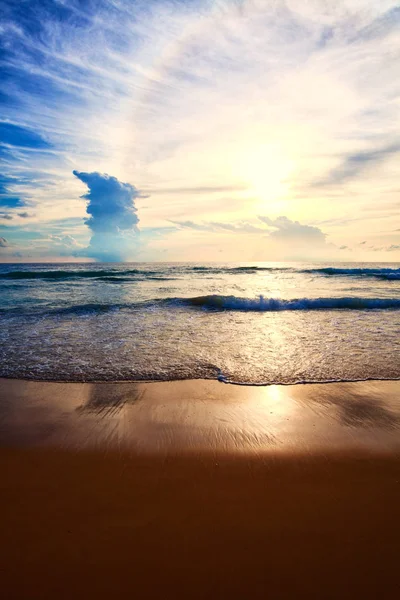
<point x="245" y="323"/>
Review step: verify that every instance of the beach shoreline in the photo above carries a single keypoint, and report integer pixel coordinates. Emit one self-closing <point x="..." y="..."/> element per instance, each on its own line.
<point x="219" y="379"/>
<point x="199" y="490"/>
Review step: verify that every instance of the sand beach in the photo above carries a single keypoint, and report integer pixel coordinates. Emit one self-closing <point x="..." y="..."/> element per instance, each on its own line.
<point x="198" y="489"/>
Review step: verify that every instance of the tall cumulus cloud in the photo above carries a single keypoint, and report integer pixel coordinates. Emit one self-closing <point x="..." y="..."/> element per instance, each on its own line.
<point x="112" y="216"/>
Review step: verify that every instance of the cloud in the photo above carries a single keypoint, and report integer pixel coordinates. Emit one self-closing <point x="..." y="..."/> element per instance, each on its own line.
<point x="65" y="240"/>
<point x="192" y="225"/>
<point x="113" y="219"/>
<point x="111" y="204"/>
<point x="355" y="164"/>
<point x="239" y="227"/>
<point x="287" y="230"/>
<point x="3" y="243"/>
<point x="5" y="216"/>
<point x="63" y="245"/>
<point x="280" y="238"/>
<point x="25" y="215"/>
<point x="201" y="189"/>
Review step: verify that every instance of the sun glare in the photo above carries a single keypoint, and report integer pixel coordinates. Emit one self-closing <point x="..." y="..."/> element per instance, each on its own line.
<point x="265" y="169"/>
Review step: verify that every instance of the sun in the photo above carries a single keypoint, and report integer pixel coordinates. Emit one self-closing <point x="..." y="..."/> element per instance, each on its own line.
<point x="265" y="169"/>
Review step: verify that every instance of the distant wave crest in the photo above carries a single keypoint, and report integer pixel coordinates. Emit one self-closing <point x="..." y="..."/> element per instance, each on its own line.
<point x="103" y="275"/>
<point x="382" y="273"/>
<point x="170" y="272"/>
<point x="123" y="275"/>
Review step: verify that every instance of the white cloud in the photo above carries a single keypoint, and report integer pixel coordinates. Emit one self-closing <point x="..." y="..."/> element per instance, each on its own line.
<point x="286" y="230"/>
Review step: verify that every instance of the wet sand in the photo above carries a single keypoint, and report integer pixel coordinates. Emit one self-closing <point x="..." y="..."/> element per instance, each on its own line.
<point x="199" y="490"/>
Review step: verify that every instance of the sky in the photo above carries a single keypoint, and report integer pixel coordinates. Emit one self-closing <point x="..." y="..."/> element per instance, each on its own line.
<point x="199" y="130"/>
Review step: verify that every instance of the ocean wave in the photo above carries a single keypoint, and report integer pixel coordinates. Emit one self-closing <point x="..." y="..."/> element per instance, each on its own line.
<point x="380" y="272"/>
<point x="242" y="269"/>
<point x="92" y="274"/>
<point x="170" y="272"/>
<point x="262" y="304"/>
<point x="214" y="302"/>
<point x="124" y="275"/>
<point x="61" y="311"/>
<point x="388" y="274"/>
<point x="136" y="279"/>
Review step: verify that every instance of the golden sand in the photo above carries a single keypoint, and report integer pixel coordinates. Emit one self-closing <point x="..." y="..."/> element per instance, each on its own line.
<point x="199" y="490"/>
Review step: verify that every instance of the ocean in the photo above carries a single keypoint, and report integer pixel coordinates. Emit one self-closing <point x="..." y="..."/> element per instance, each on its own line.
<point x="254" y="324"/>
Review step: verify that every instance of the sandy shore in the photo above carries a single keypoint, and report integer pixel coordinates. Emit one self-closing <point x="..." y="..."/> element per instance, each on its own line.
<point x="199" y="490"/>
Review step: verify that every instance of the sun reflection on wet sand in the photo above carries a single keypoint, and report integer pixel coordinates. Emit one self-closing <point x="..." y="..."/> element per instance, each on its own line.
<point x="201" y="416"/>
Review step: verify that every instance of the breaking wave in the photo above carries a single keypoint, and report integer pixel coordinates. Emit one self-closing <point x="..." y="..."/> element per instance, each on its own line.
<point x="262" y="304"/>
<point x="216" y="302"/>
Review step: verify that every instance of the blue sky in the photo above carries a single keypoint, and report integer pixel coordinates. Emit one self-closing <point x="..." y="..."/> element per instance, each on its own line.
<point x="199" y="130"/>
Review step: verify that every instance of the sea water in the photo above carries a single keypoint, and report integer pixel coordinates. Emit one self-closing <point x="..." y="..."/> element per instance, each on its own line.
<point x="258" y="323"/>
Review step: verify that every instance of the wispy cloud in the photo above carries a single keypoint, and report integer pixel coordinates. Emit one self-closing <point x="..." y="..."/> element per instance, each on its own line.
<point x="239" y="227"/>
<point x="216" y="189"/>
<point x="193" y="225"/>
<point x="355" y="164"/>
